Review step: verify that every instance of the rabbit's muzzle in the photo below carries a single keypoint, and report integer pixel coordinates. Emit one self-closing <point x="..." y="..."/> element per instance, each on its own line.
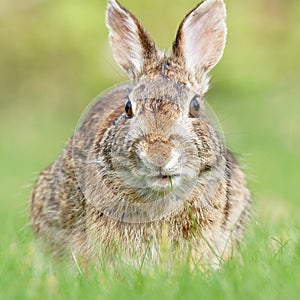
<point x="161" y="158"/>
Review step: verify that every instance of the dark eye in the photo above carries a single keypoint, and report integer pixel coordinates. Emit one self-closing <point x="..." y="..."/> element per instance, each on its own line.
<point x="195" y="107"/>
<point x="128" y="109"/>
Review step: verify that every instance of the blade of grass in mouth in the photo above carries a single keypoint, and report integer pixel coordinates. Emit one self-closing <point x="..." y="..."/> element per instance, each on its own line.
<point x="171" y="182"/>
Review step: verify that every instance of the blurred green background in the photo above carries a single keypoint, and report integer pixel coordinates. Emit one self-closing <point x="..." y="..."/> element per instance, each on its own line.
<point x="55" y="58"/>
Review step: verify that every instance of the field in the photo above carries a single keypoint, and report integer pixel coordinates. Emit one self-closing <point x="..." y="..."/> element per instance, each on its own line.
<point x="55" y="58"/>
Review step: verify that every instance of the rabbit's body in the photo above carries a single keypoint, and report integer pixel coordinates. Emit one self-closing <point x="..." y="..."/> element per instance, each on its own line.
<point x="159" y="173"/>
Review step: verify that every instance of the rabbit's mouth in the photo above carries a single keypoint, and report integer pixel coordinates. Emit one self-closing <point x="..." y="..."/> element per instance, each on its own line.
<point x="163" y="181"/>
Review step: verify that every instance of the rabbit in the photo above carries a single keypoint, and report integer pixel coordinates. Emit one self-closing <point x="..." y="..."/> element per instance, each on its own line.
<point x="146" y="168"/>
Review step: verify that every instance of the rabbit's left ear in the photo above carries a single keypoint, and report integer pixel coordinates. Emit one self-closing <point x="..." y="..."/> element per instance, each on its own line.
<point x="132" y="47"/>
<point x="201" y="37"/>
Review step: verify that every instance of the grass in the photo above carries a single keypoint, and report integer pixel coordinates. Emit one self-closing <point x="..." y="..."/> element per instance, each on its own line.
<point x="268" y="268"/>
<point x="56" y="59"/>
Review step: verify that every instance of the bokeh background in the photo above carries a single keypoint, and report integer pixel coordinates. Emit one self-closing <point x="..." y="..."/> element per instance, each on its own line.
<point x="55" y="58"/>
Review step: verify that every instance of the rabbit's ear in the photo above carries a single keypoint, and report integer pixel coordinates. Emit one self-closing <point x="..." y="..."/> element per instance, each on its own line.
<point x="201" y="37"/>
<point x="132" y="46"/>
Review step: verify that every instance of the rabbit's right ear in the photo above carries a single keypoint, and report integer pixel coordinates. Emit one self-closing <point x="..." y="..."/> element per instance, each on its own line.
<point x="132" y="46"/>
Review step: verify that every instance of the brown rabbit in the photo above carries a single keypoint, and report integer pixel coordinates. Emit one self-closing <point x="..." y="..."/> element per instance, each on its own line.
<point x="146" y="167"/>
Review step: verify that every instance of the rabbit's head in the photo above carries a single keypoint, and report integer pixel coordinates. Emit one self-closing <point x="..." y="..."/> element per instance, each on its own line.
<point x="163" y="144"/>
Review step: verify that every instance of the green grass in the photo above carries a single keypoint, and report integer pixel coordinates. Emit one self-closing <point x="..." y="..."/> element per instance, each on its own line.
<point x="268" y="268"/>
<point x="55" y="59"/>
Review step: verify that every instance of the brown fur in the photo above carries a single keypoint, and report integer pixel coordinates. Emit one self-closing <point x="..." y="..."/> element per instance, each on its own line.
<point x="96" y="199"/>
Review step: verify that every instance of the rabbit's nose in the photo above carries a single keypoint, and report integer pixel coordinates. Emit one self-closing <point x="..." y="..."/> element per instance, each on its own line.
<point x="159" y="154"/>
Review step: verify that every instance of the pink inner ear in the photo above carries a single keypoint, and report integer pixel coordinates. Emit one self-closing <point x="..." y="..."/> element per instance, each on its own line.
<point x="204" y="39"/>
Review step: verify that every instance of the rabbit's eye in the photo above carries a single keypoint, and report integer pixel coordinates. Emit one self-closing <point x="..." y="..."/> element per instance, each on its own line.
<point x="194" y="107"/>
<point x="128" y="109"/>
